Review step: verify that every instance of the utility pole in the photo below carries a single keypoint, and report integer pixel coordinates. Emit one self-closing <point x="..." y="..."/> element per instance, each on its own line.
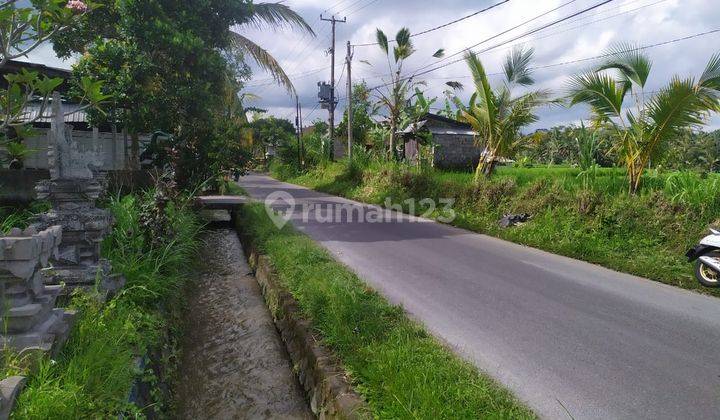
<point x="332" y="21"/>
<point x="348" y="61"/>
<point x="298" y="128"/>
<point x="302" y="143"/>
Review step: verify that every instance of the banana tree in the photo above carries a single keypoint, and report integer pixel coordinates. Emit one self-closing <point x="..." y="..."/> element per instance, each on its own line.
<point x="643" y="131"/>
<point x="394" y="94"/>
<point x="495" y="114"/>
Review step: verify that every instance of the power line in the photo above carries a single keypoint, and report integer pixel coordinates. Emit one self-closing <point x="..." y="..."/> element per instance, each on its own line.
<point x="362" y="7"/>
<point x="350" y="6"/>
<point x="312" y="111"/>
<point x="416" y="73"/>
<point x="538" y="29"/>
<point x="610" y="54"/>
<point x="444" y="25"/>
<point x="336" y="4"/>
<point x="561" y="32"/>
<point x="640" y="48"/>
<point x="299" y="55"/>
<point x="598" y="13"/>
<point x="271" y="82"/>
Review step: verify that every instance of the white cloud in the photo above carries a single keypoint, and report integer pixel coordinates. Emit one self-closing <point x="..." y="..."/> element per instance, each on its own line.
<point x="641" y="21"/>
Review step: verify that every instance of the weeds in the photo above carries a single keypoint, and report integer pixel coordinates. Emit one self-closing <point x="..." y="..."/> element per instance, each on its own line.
<point x="93" y="374"/>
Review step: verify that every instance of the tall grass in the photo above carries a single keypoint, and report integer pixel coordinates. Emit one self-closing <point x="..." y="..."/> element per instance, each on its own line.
<point x="400" y="369"/>
<point x="20" y="217"/>
<point x="93" y="374"/>
<point x="689" y="189"/>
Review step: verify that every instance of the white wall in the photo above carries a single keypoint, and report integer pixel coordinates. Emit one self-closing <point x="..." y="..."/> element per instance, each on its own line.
<point x="110" y="151"/>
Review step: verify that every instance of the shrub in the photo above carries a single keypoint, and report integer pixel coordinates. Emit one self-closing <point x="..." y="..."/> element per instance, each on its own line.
<point x="93" y="374"/>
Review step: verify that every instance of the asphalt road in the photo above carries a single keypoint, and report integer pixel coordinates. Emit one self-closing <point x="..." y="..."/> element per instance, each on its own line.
<point x="567" y="337"/>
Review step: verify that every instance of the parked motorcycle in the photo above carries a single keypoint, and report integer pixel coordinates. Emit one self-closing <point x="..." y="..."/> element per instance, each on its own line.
<point x="707" y="254"/>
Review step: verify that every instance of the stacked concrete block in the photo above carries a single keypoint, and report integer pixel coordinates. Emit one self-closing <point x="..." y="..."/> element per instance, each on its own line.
<point x="10" y="387"/>
<point x="30" y="320"/>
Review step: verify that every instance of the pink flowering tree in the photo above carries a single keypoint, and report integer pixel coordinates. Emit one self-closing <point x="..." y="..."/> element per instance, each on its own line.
<point x="23" y="29"/>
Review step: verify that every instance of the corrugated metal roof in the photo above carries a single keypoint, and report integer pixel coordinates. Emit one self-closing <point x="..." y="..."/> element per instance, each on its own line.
<point x="33" y="109"/>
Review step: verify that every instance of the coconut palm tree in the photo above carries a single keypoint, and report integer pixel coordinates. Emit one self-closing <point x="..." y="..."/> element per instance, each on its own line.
<point x="643" y="131"/>
<point x="269" y="15"/>
<point x="495" y="114"/>
<point x="395" y="95"/>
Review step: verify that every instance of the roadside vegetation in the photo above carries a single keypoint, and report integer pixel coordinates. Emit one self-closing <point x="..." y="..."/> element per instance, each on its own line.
<point x="132" y="337"/>
<point x="645" y="234"/>
<point x="400" y="369"/>
<point x="631" y="188"/>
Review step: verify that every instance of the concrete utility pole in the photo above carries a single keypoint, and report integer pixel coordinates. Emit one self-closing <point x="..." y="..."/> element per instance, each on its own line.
<point x="332" y="21"/>
<point x="302" y="144"/>
<point x="298" y="127"/>
<point x="348" y="61"/>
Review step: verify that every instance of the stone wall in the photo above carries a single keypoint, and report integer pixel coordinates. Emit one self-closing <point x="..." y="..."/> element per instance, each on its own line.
<point x="455" y="151"/>
<point x="319" y="371"/>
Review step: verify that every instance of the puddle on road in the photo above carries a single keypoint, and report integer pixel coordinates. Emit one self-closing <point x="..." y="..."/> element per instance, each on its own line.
<point x="234" y="365"/>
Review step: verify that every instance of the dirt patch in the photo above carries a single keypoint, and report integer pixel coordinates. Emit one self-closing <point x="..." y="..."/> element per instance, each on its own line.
<point x="234" y="364"/>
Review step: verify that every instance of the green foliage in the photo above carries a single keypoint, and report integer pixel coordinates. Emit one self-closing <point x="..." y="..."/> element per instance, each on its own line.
<point x="17" y="150"/>
<point x="689" y="189"/>
<point x="694" y="150"/>
<point x="395" y="96"/>
<point x="172" y="66"/>
<point x="20" y="217"/>
<point x="401" y="370"/>
<point x="363" y="111"/>
<point x="494" y="114"/>
<point x="592" y="218"/>
<point x="643" y="134"/>
<point x="94" y="372"/>
<point x="26" y="25"/>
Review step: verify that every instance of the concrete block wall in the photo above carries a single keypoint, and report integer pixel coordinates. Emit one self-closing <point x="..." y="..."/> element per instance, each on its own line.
<point x="456" y="151"/>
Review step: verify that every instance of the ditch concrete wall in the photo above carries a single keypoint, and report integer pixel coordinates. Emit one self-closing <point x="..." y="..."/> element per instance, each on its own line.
<point x="320" y="372"/>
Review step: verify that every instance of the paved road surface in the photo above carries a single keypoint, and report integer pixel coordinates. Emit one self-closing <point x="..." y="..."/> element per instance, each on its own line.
<point x="557" y="331"/>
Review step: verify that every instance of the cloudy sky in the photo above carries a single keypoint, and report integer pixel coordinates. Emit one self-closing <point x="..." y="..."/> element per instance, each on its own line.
<point x="643" y="22"/>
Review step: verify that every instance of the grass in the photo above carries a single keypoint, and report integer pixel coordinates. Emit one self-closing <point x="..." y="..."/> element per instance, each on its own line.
<point x="597" y="221"/>
<point x="20" y="217"/>
<point x="394" y="363"/>
<point x="93" y="374"/>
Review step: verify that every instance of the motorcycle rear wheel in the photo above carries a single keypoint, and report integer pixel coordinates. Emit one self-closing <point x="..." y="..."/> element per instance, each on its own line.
<point x="706" y="275"/>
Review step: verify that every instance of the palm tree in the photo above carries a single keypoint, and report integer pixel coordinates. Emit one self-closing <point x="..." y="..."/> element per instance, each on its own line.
<point x="394" y="97"/>
<point x="645" y="130"/>
<point x="494" y="114"/>
<point x="272" y="15"/>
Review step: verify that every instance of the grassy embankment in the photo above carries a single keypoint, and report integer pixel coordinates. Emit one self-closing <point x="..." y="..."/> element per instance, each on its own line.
<point x="93" y="374"/>
<point x="595" y="220"/>
<point x="398" y="367"/>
